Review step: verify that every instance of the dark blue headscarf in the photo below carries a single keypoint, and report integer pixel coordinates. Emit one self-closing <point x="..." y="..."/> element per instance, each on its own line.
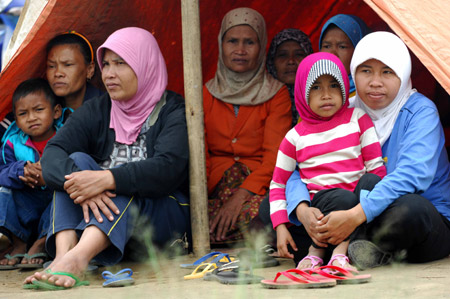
<point x="353" y="27"/>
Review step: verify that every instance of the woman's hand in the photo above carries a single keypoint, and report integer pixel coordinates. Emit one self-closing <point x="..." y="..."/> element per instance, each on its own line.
<point x="228" y="214"/>
<point x="103" y="202"/>
<point x="338" y="225"/>
<point x="283" y="239"/>
<point x="310" y="218"/>
<point x="86" y="184"/>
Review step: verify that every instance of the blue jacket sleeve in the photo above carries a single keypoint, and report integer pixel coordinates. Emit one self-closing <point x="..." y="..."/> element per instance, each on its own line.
<point x="10" y="169"/>
<point x="413" y="153"/>
<point x="296" y="192"/>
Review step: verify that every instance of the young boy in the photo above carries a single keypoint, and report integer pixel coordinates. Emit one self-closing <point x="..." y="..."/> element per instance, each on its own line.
<point x="334" y="146"/>
<point x="23" y="195"/>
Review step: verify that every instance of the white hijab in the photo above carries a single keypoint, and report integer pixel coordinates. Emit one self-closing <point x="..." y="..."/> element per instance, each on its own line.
<point x="389" y="49"/>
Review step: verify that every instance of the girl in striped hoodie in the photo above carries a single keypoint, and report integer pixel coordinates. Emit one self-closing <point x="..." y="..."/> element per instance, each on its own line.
<point x="335" y="148"/>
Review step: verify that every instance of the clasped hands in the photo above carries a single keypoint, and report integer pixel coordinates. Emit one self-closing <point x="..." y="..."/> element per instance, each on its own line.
<point x="91" y="190"/>
<point x="32" y="175"/>
<point x="323" y="230"/>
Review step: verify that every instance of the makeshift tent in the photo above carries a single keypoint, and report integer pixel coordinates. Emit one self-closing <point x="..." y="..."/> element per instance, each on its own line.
<point x="426" y="31"/>
<point x="420" y="23"/>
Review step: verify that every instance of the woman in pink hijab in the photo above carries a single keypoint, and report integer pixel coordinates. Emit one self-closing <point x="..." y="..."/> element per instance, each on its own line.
<point x="121" y="159"/>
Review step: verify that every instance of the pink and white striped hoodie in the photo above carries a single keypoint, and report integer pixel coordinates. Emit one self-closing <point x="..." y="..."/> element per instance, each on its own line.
<point x="331" y="152"/>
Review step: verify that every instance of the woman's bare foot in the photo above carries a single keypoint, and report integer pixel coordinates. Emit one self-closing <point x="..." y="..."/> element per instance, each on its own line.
<point x="19" y="247"/>
<point x="30" y="278"/>
<point x="69" y="263"/>
<point x="37" y="247"/>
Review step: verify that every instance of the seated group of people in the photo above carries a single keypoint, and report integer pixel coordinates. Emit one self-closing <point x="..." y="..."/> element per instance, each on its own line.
<point x="335" y="150"/>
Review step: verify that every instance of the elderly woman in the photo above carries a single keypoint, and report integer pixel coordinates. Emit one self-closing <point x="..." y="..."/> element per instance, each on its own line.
<point x="286" y="51"/>
<point x="70" y="67"/>
<point x="119" y="160"/>
<point x="247" y="113"/>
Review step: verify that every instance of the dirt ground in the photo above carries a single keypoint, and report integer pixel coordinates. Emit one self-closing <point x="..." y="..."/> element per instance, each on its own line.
<point x="163" y="278"/>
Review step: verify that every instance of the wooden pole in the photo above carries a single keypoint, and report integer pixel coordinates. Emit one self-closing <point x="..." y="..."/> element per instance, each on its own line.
<point x="193" y="82"/>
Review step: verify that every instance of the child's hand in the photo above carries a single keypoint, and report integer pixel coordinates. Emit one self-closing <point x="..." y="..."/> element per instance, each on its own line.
<point x="38" y="169"/>
<point x="32" y="175"/>
<point x="310" y="218"/>
<point x="283" y="239"/>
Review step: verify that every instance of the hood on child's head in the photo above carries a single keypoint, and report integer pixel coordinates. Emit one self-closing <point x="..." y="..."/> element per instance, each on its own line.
<point x="309" y="70"/>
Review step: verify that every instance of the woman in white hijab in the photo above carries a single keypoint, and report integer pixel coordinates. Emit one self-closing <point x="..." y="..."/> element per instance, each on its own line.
<point x="409" y="210"/>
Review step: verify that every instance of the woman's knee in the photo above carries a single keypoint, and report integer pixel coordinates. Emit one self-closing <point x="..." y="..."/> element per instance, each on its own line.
<point x="411" y="208"/>
<point x="343" y="199"/>
<point x="84" y="161"/>
<point x="368" y="181"/>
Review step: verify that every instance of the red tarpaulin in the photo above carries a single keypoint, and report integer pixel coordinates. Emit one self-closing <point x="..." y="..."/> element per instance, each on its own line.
<point x="97" y="19"/>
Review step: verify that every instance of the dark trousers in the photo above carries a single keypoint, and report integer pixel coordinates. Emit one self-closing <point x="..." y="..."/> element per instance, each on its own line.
<point x="152" y="220"/>
<point x="327" y="201"/>
<point x="411" y="224"/>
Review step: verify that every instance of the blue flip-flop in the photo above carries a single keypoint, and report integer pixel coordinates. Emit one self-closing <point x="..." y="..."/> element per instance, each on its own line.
<point x="216" y="255"/>
<point x="120" y="279"/>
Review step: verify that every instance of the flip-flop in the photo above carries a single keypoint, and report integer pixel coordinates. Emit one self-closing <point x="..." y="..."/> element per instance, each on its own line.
<point x="341" y="275"/>
<point x="91" y="268"/>
<point x="120" y="279"/>
<point x="207" y="267"/>
<point x="44" y="285"/>
<point x="9" y="257"/>
<point x="257" y="259"/>
<point x="302" y="280"/>
<point x="316" y="262"/>
<point x="216" y="256"/>
<point x="42" y="255"/>
<point x="230" y="274"/>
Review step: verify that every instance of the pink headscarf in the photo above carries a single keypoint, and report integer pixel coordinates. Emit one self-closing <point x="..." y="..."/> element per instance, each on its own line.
<point x="309" y="70"/>
<point x="140" y="50"/>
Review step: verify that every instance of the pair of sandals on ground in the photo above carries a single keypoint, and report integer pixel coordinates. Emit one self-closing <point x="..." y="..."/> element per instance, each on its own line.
<point x="120" y="279"/>
<point x="310" y="273"/>
<point x="217" y="266"/>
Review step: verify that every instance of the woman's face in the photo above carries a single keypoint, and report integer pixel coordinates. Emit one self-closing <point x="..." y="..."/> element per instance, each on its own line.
<point x="240" y="49"/>
<point x="376" y="84"/>
<point x="67" y="70"/>
<point x="287" y="58"/>
<point x="119" y="78"/>
<point x="336" y="42"/>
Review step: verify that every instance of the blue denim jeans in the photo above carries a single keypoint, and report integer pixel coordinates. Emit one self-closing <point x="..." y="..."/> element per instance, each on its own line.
<point x="25" y="213"/>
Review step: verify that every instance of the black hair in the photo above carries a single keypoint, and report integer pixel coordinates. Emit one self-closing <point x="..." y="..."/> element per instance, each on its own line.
<point x="72" y="39"/>
<point x="34" y="86"/>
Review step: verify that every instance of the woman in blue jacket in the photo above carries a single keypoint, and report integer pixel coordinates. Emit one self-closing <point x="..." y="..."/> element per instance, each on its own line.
<point x="409" y="210"/>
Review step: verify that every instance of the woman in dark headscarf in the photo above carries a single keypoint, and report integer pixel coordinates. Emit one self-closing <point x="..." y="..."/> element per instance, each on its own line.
<point x="287" y="50"/>
<point x="339" y="36"/>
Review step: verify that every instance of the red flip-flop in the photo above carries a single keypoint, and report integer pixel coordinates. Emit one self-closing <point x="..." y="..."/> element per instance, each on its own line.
<point x="302" y="280"/>
<point x="341" y="275"/>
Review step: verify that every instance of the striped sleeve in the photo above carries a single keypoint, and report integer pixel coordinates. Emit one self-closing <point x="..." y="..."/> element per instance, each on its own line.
<point x="284" y="167"/>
